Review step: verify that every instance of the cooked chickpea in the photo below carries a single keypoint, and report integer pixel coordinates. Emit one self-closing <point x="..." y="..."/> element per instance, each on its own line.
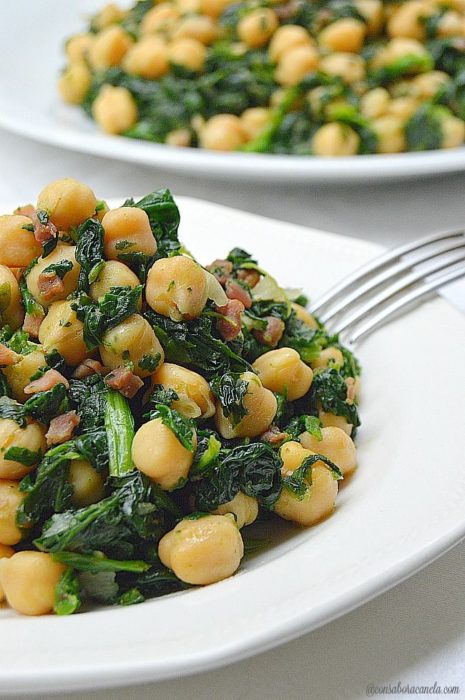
<point x="260" y="404"/>
<point x="335" y="139"/>
<point x="10" y="498"/>
<point x="203" y="551"/>
<point x="109" y="47"/>
<point x="390" y="133"/>
<point x="127" y="230"/>
<point x="148" y="58"/>
<point x="160" y="18"/>
<point x="296" y="63"/>
<point x="188" y="53"/>
<point x="397" y="49"/>
<point x="110" y="14"/>
<point x="29" y="580"/>
<point x="254" y="121"/>
<point x="223" y="132"/>
<point x="11" y="310"/>
<point x="77" y="48"/>
<point x="68" y="202"/>
<point x="336" y="445"/>
<point x="86" y="482"/>
<point x="157" y="453"/>
<point x="347" y="66"/>
<point x="132" y="340"/>
<point x="257" y="27"/>
<point x="329" y="357"/>
<point x="19" y="375"/>
<point x="407" y="20"/>
<point x="214" y="8"/>
<point x="62" y="330"/>
<point x="451" y="24"/>
<point x="197" y="27"/>
<point x="243" y="507"/>
<point x="321" y="494"/>
<point x="330" y="420"/>
<point x="187" y="7"/>
<point x="283" y="371"/>
<point x="453" y="132"/>
<point x="179" y="137"/>
<point x="74" y="82"/>
<point x="177" y="287"/>
<point x="18" y="246"/>
<point x="304" y="315"/>
<point x="114" y="109"/>
<point x="375" y="103"/>
<point x="62" y="253"/>
<point x="288" y="37"/>
<point x="5" y="553"/>
<point x="403" y="107"/>
<point x="346" y="34"/>
<point x="195" y="397"/>
<point x="31" y="437"/>
<point x="113" y="274"/>
<point x="373" y="13"/>
<point x="428" y="84"/>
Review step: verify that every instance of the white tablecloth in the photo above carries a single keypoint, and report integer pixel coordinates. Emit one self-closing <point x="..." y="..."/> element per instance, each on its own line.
<point x="413" y="635"/>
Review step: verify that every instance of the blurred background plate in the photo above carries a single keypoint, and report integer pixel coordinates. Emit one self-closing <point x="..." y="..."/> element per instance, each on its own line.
<point x="32" y="36"/>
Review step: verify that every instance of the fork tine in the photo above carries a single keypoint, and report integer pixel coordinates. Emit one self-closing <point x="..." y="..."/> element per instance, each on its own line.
<point x="377" y="264"/>
<point x="350" y="337"/>
<point x="399" y="286"/>
<point x="387" y="274"/>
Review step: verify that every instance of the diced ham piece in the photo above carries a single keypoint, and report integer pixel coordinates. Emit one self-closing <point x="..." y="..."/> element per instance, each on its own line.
<point x="235" y="291"/>
<point x="351" y="390"/>
<point x="47" y="381"/>
<point x="50" y="285"/>
<point x="61" y="428"/>
<point x="26" y="210"/>
<point x="32" y="324"/>
<point x="273" y="332"/>
<point x="88" y="367"/>
<point x="221" y="269"/>
<point x="229" y="327"/>
<point x="43" y="232"/>
<point x="273" y="435"/>
<point x="249" y="277"/>
<point x="8" y="357"/>
<point x="124" y="381"/>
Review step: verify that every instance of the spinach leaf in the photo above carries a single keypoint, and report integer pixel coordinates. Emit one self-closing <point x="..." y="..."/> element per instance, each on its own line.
<point x="164" y="219"/>
<point x="230" y="389"/>
<point x="22" y="455"/>
<point x="330" y="389"/>
<point x="307" y="341"/>
<point x="67" y="594"/>
<point x="157" y="581"/>
<point x="160" y="395"/>
<point x="183" y="428"/>
<point x="238" y="257"/>
<point x="9" y="408"/>
<point x="88" y="397"/>
<point x="45" y="405"/>
<point x="424" y="128"/>
<point x="31" y="306"/>
<point x="299" y="481"/>
<point x="20" y="343"/>
<point x="97" y="562"/>
<point x="59" y="268"/>
<point x="89" y="252"/>
<point x="208" y="450"/>
<point x="150" y="362"/>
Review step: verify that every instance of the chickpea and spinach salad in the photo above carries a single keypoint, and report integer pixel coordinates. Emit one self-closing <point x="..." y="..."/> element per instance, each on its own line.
<point x="324" y="78"/>
<point x="151" y="408"/>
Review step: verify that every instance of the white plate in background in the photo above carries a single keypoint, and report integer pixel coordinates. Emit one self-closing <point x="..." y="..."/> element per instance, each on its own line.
<point x="401" y="509"/>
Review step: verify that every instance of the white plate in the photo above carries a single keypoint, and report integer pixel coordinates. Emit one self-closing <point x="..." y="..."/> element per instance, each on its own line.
<point x="402" y="508"/>
<point x="29" y="105"/>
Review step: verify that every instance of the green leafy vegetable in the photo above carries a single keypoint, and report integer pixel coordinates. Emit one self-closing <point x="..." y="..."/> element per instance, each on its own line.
<point x="230" y="389"/>
<point x="299" y="481"/>
<point x="329" y="388"/>
<point x="67" y="594"/>
<point x="22" y="455"/>
<point x="60" y="268"/>
<point x="89" y="252"/>
<point x="182" y="427"/>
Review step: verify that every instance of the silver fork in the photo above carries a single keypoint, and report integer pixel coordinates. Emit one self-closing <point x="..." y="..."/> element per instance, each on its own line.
<point x="392" y="282"/>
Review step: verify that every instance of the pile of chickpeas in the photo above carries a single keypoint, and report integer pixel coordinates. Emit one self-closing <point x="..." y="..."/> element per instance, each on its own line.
<point x="182" y="33"/>
<point x="199" y="551"/>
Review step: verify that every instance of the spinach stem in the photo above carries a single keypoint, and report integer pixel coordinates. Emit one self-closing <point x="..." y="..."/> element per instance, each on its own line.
<point x="119" y="425"/>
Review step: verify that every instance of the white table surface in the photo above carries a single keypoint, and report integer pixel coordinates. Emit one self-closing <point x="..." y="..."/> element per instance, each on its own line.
<point x="415" y="633"/>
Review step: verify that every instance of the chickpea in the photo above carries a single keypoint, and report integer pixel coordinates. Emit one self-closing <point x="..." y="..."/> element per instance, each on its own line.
<point x="330" y="420"/>
<point x="195" y="397"/>
<point x="29" y="580"/>
<point x="113" y="274"/>
<point x="214" y="8"/>
<point x="428" y="84"/>
<point x="254" y="121"/>
<point x="158" y="454"/>
<point x="109" y="47"/>
<point x="19" y="375"/>
<point x="336" y="445"/>
<point x="346" y="34"/>
<point x="396" y="49"/>
<point x="74" y="82"/>
<point x="348" y="66"/>
<point x="110" y="14"/>
<point x="18" y="246"/>
<point x="329" y="357"/>
<point x="403" y="107"/>
<point x="260" y="404"/>
<point x="10" y="498"/>
<point x="203" y="551"/>
<point x="179" y="137"/>
<point x="453" y="132"/>
<point x="87" y="483"/>
<point x="451" y="24"/>
<point x="187" y="7"/>
<point x="257" y="27"/>
<point x="408" y="20"/>
<point x="295" y="64"/>
<point x="283" y="371"/>
<point x="68" y="202"/>
<point x="114" y="109"/>
<point x="11" y="310"/>
<point x="62" y="252"/>
<point x="161" y="18"/>
<point x="5" y="553"/>
<point x="288" y="37"/>
<point x="201" y="28"/>
<point x="77" y="48"/>
<point x="188" y="53"/>
<point x="177" y="287"/>
<point x="61" y="330"/>
<point x="243" y="507"/>
<point x="373" y="13"/>
<point x="223" y="132"/>
<point x="304" y="315"/>
<point x="335" y="139"/>
<point x="132" y="340"/>
<point x="31" y="437"/>
<point x="390" y="133"/>
<point x="148" y="58"/>
<point x="321" y="494"/>
<point x="375" y="103"/>
<point x="127" y="230"/>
